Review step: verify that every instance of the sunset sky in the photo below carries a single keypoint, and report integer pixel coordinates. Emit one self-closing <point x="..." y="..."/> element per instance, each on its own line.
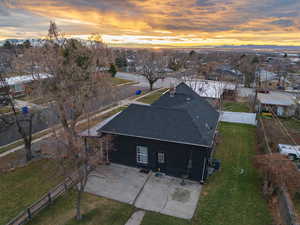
<point x="158" y="22"/>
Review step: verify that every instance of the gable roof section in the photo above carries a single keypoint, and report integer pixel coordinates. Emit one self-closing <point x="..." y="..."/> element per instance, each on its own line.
<point x="203" y="114"/>
<point x="155" y="123"/>
<point x="184" y="118"/>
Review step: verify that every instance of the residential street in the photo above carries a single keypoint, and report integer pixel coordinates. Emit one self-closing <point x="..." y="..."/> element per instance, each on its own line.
<point x="167" y="82"/>
<point x="48" y="117"/>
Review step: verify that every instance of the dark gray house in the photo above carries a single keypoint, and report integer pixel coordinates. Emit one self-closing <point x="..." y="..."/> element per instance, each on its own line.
<point x="175" y="135"/>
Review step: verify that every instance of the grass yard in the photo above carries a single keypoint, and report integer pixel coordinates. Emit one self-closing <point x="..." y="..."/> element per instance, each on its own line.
<point x="292" y="124"/>
<point x="233" y="195"/>
<point x="5" y="109"/>
<point x="235" y="107"/>
<point x="152" y="97"/>
<point x="118" y="81"/>
<point x="96" y="211"/>
<point x="22" y="187"/>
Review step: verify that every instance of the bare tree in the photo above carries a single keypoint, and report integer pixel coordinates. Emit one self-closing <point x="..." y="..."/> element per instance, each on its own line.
<point x="278" y="172"/>
<point x="153" y="66"/>
<point x="23" y="121"/>
<point x="72" y="84"/>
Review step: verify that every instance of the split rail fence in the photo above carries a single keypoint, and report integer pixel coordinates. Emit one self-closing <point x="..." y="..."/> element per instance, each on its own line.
<point x="27" y="214"/>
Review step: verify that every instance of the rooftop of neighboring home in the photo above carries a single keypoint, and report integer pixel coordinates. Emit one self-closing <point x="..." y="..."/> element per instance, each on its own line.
<point x="210" y="88"/>
<point x="25" y="78"/>
<point x="266" y="75"/>
<point x="276" y="98"/>
<point x="183" y="117"/>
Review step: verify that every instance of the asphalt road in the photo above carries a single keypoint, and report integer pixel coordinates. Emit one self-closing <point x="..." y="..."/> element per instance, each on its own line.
<point x="162" y="83"/>
<point x="48" y="117"/>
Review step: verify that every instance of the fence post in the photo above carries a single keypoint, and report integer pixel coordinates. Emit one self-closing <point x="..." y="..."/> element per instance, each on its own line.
<point x="49" y="198"/>
<point x="29" y="214"/>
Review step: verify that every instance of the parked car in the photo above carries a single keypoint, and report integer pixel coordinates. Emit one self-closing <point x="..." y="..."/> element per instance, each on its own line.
<point x="292" y="151"/>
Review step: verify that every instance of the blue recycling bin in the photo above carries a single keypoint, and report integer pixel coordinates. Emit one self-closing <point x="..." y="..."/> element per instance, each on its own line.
<point x="217" y="164"/>
<point x="25" y="110"/>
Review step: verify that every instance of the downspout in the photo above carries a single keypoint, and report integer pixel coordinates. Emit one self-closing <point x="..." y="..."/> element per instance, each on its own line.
<point x="203" y="171"/>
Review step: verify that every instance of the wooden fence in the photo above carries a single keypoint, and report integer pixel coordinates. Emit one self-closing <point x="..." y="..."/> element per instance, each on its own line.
<point x="46" y="200"/>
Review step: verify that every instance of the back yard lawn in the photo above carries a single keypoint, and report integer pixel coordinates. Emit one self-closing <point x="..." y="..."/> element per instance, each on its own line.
<point x="22" y="187"/>
<point x="235" y="106"/>
<point x="96" y="211"/>
<point x="232" y="196"/>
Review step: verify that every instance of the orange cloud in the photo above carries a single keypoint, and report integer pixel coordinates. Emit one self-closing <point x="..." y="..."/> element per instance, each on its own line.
<point x="168" y="22"/>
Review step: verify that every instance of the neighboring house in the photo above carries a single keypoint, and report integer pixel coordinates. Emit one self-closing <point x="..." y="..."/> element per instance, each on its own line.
<point x="278" y="83"/>
<point x="21" y="85"/>
<point x="227" y="73"/>
<point x="272" y="81"/>
<point x="175" y="135"/>
<point x="213" y="90"/>
<point x="280" y="103"/>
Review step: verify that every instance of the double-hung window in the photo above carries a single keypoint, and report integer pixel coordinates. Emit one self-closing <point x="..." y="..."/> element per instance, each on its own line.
<point x="161" y="157"/>
<point x="142" y="154"/>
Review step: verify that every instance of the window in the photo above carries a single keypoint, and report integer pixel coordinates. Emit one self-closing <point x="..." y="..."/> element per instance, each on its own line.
<point x="161" y="157"/>
<point x="142" y="154"/>
<point x="19" y="87"/>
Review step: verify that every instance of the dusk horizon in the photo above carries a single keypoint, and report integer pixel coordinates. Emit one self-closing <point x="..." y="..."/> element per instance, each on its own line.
<point x="154" y="23"/>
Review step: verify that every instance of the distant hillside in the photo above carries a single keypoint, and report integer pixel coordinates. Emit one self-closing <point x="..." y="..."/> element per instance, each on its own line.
<point x="36" y="42"/>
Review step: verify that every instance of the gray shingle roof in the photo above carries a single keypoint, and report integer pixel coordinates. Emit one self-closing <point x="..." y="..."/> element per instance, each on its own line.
<point x="184" y="118"/>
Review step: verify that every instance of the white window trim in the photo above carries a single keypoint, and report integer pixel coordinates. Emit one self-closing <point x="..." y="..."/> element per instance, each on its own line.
<point x="142" y="155"/>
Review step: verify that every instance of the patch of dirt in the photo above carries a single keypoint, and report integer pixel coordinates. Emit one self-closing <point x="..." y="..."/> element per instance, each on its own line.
<point x="181" y="195"/>
<point x="275" y="212"/>
<point x="13" y="160"/>
<point x="276" y="135"/>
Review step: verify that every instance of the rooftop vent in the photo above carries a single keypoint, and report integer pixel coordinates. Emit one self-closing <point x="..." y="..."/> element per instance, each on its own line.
<point x="172" y="90"/>
<point x="208" y="127"/>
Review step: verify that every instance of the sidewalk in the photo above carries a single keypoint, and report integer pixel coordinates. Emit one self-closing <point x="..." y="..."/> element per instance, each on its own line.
<point x="20" y="104"/>
<point x="119" y="104"/>
<point x="136" y="218"/>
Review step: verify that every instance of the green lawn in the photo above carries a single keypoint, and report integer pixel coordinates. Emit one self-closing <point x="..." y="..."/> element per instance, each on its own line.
<point x="96" y="211"/>
<point x="22" y="187"/>
<point x="235" y="107"/>
<point x="152" y="97"/>
<point x="233" y="195"/>
<point x="118" y="81"/>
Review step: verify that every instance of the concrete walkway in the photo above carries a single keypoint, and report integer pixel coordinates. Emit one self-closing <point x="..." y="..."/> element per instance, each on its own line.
<point x="136" y="218"/>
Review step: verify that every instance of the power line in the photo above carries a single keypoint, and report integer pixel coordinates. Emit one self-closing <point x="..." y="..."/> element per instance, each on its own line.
<point x="265" y="135"/>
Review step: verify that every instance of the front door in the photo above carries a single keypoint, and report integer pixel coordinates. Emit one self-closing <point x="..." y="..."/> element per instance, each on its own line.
<point x="161" y="162"/>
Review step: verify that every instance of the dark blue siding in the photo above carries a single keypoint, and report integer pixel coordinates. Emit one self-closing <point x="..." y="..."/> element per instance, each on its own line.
<point x="176" y="155"/>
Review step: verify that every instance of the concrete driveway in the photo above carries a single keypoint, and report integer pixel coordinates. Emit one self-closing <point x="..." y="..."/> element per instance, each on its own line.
<point x="162" y="194"/>
<point x="116" y="182"/>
